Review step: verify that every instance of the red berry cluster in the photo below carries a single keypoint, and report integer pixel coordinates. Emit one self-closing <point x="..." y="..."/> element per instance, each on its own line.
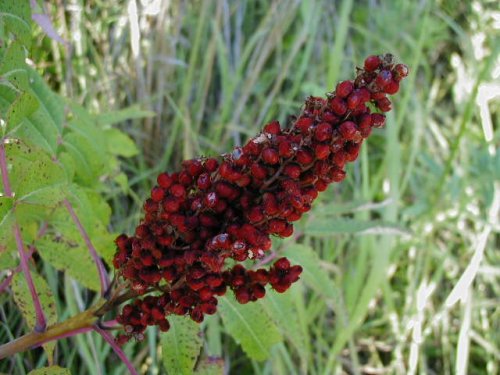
<point x="217" y="212"/>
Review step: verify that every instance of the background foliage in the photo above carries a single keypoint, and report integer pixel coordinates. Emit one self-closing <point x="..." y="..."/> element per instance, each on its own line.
<point x="400" y="269"/>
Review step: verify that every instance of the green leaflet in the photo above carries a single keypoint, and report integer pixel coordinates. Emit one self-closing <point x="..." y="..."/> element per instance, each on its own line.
<point x="119" y="143"/>
<point x="115" y="117"/>
<point x="13" y="68"/>
<point x="281" y="307"/>
<point x="15" y="18"/>
<point x="23" y="106"/>
<point x="250" y="326"/>
<point x="70" y="255"/>
<point x="313" y="275"/>
<point x="24" y="302"/>
<point x="210" y="366"/>
<point x="181" y="345"/>
<point x="51" y="370"/>
<point x="322" y="226"/>
<point x="35" y="179"/>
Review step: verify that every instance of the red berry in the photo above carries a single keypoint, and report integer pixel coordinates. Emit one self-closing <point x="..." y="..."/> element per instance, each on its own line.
<point x="292" y="171"/>
<point x="178" y="191"/>
<point x="272" y="128"/>
<point x="211" y="199"/>
<point x="285" y="149"/>
<point x="349" y="130"/>
<point x="255" y="214"/>
<point x="392" y="87"/>
<point x="400" y="71"/>
<point x="270" y="156"/>
<point x="372" y="63"/>
<point x="383" y="79"/>
<point x="303" y="124"/>
<point x="384" y="104"/>
<point x="270" y="203"/>
<point x="323" y="132"/>
<point x="338" y="106"/>
<point x="211" y="164"/>
<point x="304" y="157"/>
<point x="276" y="226"/>
<point x="321" y="151"/>
<point x="258" y="171"/>
<point x="157" y="194"/>
<point x="204" y="182"/>
<point x="344" y="88"/>
<point x="354" y="100"/>
<point x="378" y="120"/>
<point x="164" y="180"/>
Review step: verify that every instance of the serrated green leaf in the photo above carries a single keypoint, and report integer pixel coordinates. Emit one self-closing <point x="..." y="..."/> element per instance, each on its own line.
<point x="313" y="275"/>
<point x="322" y="227"/>
<point x="210" y="366"/>
<point x="115" y="117"/>
<point x="181" y="345"/>
<point x="6" y="204"/>
<point x="16" y="18"/>
<point x="280" y="306"/>
<point x="24" y="302"/>
<point x="94" y="214"/>
<point x="23" y="106"/>
<point x="120" y="143"/>
<point x="51" y="370"/>
<point x="13" y="67"/>
<point x="69" y="255"/>
<point x="35" y="178"/>
<point x="7" y="260"/>
<point x="250" y="326"/>
<point x="89" y="165"/>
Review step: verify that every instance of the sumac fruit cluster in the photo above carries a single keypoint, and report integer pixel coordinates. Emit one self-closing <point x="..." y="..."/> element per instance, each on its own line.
<point x="202" y="222"/>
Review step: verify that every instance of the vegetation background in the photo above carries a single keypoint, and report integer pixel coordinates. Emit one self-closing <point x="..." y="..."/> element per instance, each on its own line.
<point x="401" y="260"/>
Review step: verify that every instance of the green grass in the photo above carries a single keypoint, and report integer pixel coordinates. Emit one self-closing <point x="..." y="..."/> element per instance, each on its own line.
<point x="215" y="71"/>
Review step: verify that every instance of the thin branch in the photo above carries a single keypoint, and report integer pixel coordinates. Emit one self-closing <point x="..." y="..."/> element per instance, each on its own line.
<point x="103" y="275"/>
<point x="41" y="322"/>
<point x="119" y="352"/>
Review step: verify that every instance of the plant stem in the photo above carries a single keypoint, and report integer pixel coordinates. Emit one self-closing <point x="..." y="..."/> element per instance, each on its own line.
<point x="119" y="352"/>
<point x="41" y="322"/>
<point x="79" y="323"/>
<point x="103" y="276"/>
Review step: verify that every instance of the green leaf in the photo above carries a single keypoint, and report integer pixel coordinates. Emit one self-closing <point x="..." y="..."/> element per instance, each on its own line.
<point x="15" y="16"/>
<point x="115" y="117"/>
<point x="35" y="178"/>
<point x="181" y="345"/>
<point x="24" y="106"/>
<point x="313" y="275"/>
<point x="281" y="307"/>
<point x="322" y="227"/>
<point x="69" y="255"/>
<point x="89" y="164"/>
<point x="13" y="67"/>
<point x="250" y="326"/>
<point x="120" y="143"/>
<point x="210" y="366"/>
<point x="51" y="370"/>
<point x="94" y="214"/>
<point x="24" y="302"/>
<point x="7" y="258"/>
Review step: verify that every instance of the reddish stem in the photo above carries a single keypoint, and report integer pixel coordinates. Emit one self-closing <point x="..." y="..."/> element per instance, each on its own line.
<point x="41" y="322"/>
<point x="103" y="276"/>
<point x="119" y="352"/>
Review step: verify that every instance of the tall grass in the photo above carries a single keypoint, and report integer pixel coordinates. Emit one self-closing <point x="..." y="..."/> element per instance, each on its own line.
<point x="421" y="297"/>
